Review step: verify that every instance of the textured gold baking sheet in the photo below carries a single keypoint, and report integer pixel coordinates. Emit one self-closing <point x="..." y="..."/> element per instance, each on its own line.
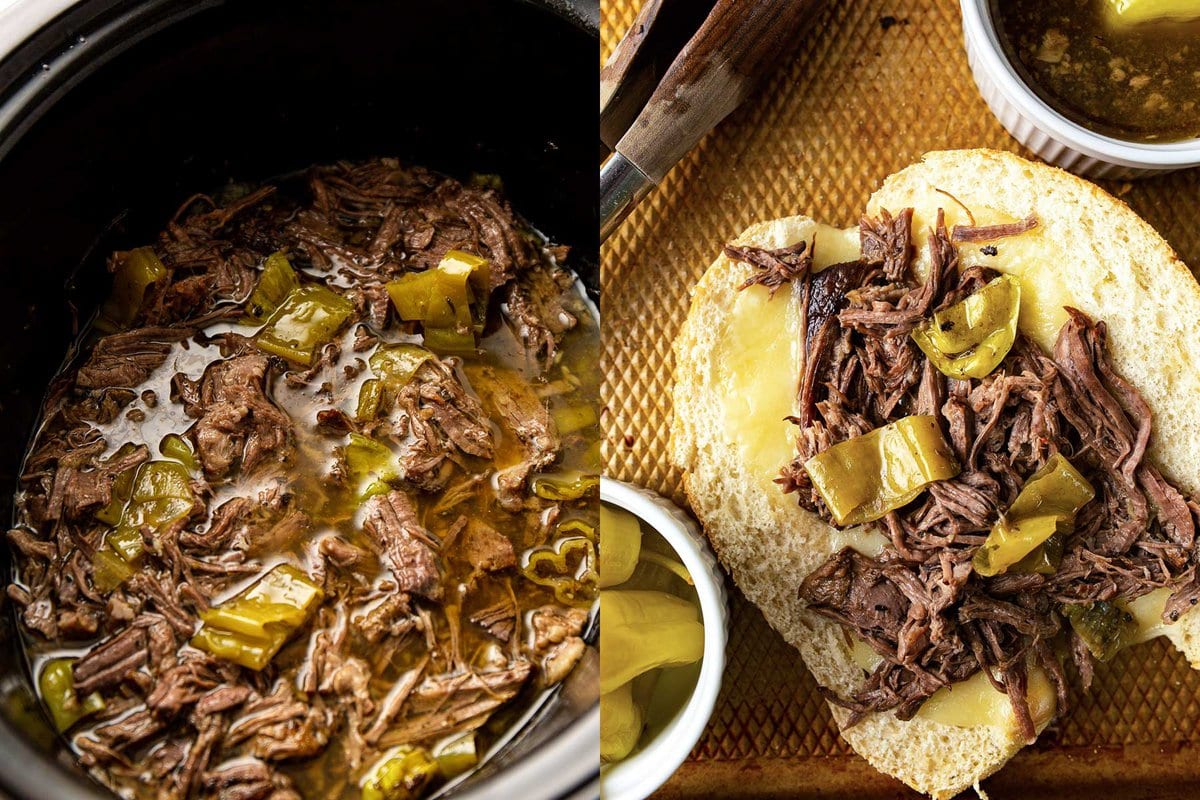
<point x="872" y="87"/>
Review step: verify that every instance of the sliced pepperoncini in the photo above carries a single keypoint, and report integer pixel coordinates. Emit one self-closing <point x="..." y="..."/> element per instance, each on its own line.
<point x="396" y="364"/>
<point x="276" y="282"/>
<point x="863" y="478"/>
<point x="970" y="338"/>
<point x="401" y="774"/>
<point x="1104" y="627"/>
<point x="57" y="687"/>
<point x="569" y="568"/>
<point x="161" y="494"/>
<point x="303" y="323"/>
<point x="122" y="486"/>
<point x="393" y="366"/>
<point x="249" y="628"/>
<point x="371" y="465"/>
<point x="564" y="485"/>
<point x="441" y="299"/>
<point x="140" y="269"/>
<point x="175" y="446"/>
<point x="1044" y="559"/>
<point x="109" y="569"/>
<point x="1047" y="505"/>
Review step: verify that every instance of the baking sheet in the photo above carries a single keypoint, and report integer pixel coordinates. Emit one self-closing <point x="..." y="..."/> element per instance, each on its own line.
<point x="872" y="87"/>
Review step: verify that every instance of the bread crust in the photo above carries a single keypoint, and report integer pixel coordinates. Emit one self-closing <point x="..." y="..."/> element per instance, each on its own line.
<point x="1115" y="267"/>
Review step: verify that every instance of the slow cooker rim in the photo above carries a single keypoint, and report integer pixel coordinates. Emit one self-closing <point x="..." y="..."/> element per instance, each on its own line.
<point x="46" y="48"/>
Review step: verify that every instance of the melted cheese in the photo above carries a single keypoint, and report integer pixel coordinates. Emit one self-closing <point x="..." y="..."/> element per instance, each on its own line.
<point x="759" y="371"/>
<point x="1147" y="613"/>
<point x="864" y="655"/>
<point x="760" y="360"/>
<point x="868" y="542"/>
<point x="1032" y="257"/>
<point x="834" y="246"/>
<point x="975" y="702"/>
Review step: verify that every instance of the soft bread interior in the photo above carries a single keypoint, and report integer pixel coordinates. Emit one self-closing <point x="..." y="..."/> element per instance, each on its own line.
<point x="1111" y="264"/>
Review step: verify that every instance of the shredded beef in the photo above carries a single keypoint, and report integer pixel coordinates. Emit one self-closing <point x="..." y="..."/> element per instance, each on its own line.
<point x="774" y="268"/>
<point x="238" y="423"/>
<point x="126" y="359"/>
<point x="391" y="523"/>
<point x="920" y="604"/>
<point x="985" y="233"/>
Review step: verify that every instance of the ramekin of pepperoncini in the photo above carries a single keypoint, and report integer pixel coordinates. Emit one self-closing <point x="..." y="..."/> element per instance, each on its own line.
<point x="662" y="638"/>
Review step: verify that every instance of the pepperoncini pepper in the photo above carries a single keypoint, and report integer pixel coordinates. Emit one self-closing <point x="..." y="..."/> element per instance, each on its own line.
<point x="620" y="545"/>
<point x="970" y="338"/>
<point x="396" y="364"/>
<point x="564" y="485"/>
<point x="456" y="756"/>
<point x="393" y="366"/>
<point x="621" y="722"/>
<point x="109" y="569"/>
<point x="1104" y="627"/>
<point x="569" y="568"/>
<point x="140" y="269"/>
<point x="402" y="774"/>
<point x="122" y="486"/>
<point x="643" y="630"/>
<point x="275" y="283"/>
<point x="1137" y="12"/>
<point x="371" y="464"/>
<point x="1046" y="505"/>
<point x="57" y="687"/>
<point x="251" y="627"/>
<point x="863" y="478"/>
<point x="175" y="446"/>
<point x="441" y="299"/>
<point x="160" y="495"/>
<point x="1043" y="559"/>
<point x="304" y="322"/>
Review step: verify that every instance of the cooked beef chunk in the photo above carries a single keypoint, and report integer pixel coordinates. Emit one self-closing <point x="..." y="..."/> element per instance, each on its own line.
<point x="438" y="422"/>
<point x="110" y="663"/>
<point x="498" y="619"/>
<point x="526" y="418"/>
<point x="237" y="423"/>
<point x="248" y="780"/>
<point x="920" y="604"/>
<point x="181" y="686"/>
<point x="126" y="359"/>
<point x="484" y="547"/>
<point x="557" y="644"/>
<point x="391" y="523"/>
<point x="391" y="617"/>
<point x="775" y="268"/>
<point x="537" y="311"/>
<point x="445" y="704"/>
<point x="85" y="491"/>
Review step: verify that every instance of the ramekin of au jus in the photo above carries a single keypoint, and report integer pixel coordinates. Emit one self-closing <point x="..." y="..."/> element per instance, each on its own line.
<point x="663" y="618"/>
<point x="1103" y="88"/>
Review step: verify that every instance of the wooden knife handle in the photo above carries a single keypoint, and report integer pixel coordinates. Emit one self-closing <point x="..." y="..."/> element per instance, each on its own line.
<point x="736" y="45"/>
<point x="641" y="58"/>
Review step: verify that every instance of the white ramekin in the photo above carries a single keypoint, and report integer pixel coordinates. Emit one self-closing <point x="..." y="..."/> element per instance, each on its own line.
<point x="1048" y="133"/>
<point x="640" y="774"/>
